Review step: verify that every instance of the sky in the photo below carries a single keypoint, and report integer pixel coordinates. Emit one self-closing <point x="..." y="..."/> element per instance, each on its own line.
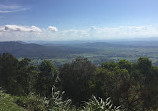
<point x="62" y="20"/>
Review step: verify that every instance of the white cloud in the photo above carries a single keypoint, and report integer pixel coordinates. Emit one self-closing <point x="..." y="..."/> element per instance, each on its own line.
<point x="52" y="28"/>
<point x="16" y="32"/>
<point x="103" y="33"/>
<point x="19" y="32"/>
<point x="124" y="32"/>
<point x="20" y="28"/>
<point x="11" y="8"/>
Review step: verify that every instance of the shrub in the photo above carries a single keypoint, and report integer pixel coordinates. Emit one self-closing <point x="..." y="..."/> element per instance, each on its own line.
<point x="7" y="103"/>
<point x="57" y="103"/>
<point x="100" y="105"/>
<point x="33" y="102"/>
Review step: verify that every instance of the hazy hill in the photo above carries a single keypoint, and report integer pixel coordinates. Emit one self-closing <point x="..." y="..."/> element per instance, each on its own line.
<point x="35" y="50"/>
<point x="59" y="50"/>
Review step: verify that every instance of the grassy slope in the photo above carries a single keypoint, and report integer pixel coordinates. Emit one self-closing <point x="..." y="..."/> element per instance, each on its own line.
<point x="7" y="103"/>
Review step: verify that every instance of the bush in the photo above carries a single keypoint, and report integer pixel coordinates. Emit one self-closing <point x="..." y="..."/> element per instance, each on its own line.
<point x="7" y="103"/>
<point x="33" y="102"/>
<point x="100" y="105"/>
<point x="57" y="103"/>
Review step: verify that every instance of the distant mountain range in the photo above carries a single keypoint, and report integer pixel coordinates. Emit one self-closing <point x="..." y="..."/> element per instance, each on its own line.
<point x="22" y="49"/>
<point x="64" y="49"/>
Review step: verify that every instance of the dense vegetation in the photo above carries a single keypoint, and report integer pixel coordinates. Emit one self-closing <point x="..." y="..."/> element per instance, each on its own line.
<point x="78" y="86"/>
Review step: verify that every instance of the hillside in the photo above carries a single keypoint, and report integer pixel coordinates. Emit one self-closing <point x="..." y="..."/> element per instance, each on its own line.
<point x="21" y="49"/>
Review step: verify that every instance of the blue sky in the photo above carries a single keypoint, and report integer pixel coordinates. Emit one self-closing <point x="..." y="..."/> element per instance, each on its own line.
<point x="78" y="19"/>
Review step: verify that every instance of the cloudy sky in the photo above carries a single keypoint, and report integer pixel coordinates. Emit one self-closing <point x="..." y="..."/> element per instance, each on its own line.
<point x="78" y="19"/>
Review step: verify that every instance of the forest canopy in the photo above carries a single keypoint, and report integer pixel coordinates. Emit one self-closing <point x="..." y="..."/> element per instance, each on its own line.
<point x="76" y="85"/>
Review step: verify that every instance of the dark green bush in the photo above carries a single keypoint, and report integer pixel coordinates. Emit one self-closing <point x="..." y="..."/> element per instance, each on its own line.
<point x="7" y="103"/>
<point x="33" y="102"/>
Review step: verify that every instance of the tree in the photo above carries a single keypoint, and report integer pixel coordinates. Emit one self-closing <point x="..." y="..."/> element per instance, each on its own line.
<point x="26" y="76"/>
<point x="8" y="72"/>
<point x="76" y="79"/>
<point x="114" y="84"/>
<point x="124" y="64"/>
<point x="144" y="65"/>
<point x="16" y="77"/>
<point x="120" y="82"/>
<point x="47" y="77"/>
<point x="149" y="89"/>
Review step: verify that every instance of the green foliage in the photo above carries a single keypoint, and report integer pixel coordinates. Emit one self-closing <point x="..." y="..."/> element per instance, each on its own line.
<point x="57" y="103"/>
<point x="33" y="102"/>
<point x="8" y="73"/>
<point x="26" y="76"/>
<point x="114" y="84"/>
<point x="124" y="64"/>
<point x="76" y="79"/>
<point x="99" y="105"/>
<point x="48" y="76"/>
<point x="133" y="86"/>
<point x="145" y="65"/>
<point x="16" y="77"/>
<point x="7" y="103"/>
